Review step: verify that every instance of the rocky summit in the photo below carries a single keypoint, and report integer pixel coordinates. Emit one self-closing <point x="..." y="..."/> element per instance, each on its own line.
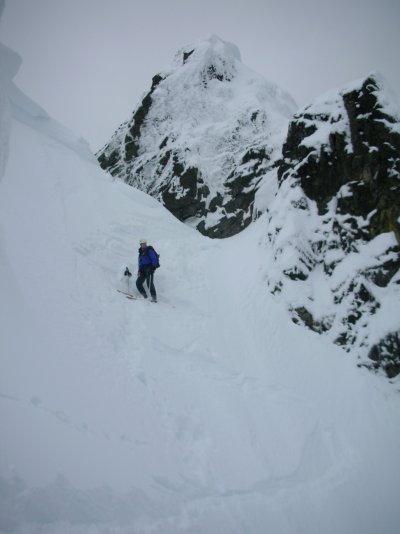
<point x="203" y="137"/>
<point x="334" y="225"/>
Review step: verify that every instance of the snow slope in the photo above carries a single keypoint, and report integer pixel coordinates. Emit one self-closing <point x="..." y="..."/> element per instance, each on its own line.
<point x="209" y="412"/>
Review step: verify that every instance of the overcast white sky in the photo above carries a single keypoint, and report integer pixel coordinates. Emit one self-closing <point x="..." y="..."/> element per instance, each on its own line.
<point x="88" y="62"/>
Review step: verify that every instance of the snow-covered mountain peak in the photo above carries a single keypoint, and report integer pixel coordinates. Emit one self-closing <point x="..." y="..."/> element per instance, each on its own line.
<point x="210" y="64"/>
<point x="210" y="51"/>
<point x="194" y="140"/>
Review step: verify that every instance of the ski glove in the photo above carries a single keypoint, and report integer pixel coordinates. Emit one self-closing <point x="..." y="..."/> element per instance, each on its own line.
<point x="127" y="272"/>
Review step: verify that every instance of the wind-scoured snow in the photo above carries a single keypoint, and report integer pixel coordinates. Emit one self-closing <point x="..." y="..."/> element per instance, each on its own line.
<point x="209" y="412"/>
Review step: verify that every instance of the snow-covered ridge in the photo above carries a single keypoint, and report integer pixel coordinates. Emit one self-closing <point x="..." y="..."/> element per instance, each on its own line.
<point x="14" y="103"/>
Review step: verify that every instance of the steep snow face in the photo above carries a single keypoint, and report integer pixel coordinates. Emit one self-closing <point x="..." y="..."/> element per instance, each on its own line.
<point x="334" y="225"/>
<point x="202" y="137"/>
<point x="17" y="105"/>
<point x="9" y="65"/>
<point x="208" y="412"/>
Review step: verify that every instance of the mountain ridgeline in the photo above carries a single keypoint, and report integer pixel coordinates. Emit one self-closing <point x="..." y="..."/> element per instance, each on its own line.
<point x="211" y="136"/>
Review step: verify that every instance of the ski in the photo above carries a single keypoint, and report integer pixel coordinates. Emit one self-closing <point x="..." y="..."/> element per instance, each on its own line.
<point x="133" y="297"/>
<point x="129" y="296"/>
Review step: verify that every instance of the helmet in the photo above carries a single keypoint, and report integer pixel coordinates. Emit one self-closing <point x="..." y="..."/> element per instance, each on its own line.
<point x="143" y="242"/>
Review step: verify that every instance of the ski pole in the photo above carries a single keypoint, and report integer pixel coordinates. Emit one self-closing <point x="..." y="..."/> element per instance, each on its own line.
<point x="128" y="274"/>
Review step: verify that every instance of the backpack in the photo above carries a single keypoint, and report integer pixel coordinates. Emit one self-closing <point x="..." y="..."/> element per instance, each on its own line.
<point x="157" y="256"/>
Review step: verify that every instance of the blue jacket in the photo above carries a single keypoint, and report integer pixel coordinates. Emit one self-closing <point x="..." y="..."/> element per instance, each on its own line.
<point x="147" y="257"/>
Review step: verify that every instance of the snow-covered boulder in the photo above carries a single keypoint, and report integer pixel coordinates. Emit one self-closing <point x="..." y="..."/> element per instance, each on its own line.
<point x="334" y="225"/>
<point x="202" y="137"/>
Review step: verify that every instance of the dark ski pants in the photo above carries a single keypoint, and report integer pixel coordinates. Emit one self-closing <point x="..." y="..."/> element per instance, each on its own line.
<point x="146" y="276"/>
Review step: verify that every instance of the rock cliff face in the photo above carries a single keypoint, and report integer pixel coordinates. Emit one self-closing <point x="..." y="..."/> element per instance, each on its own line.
<point x="334" y="225"/>
<point x="203" y="137"/>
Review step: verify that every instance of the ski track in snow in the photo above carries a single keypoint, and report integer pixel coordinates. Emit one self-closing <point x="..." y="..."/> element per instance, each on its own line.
<point x="209" y="412"/>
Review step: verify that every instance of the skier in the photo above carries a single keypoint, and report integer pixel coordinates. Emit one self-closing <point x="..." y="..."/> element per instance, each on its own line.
<point x="147" y="264"/>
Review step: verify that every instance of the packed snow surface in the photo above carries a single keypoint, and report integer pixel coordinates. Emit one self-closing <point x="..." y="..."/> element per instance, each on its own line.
<point x="209" y="412"/>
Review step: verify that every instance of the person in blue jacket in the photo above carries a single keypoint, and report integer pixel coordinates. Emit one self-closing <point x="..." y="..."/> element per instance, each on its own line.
<point x="147" y="264"/>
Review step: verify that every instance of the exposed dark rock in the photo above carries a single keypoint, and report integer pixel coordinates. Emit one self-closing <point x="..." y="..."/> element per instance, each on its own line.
<point x="371" y="169"/>
<point x="382" y="274"/>
<point x="386" y="354"/>
<point x="344" y="155"/>
<point x="164" y="143"/>
<point x="131" y="144"/>
<point x="304" y="316"/>
<point x="110" y="160"/>
<point x="186" y="55"/>
<point x="213" y="74"/>
<point x="185" y="195"/>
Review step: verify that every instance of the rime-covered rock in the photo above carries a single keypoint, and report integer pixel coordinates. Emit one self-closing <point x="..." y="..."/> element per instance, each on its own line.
<point x="203" y="137"/>
<point x="334" y="225"/>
